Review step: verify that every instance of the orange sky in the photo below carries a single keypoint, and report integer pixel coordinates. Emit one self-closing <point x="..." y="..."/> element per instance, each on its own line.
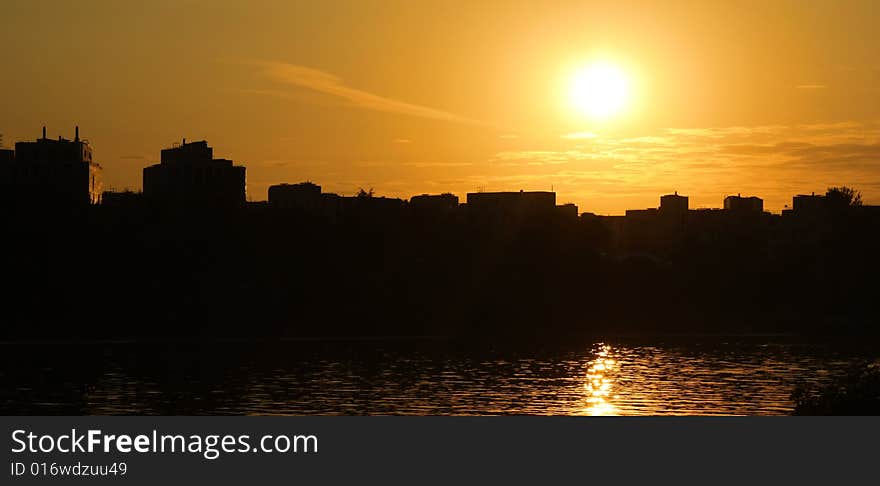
<point x="766" y="98"/>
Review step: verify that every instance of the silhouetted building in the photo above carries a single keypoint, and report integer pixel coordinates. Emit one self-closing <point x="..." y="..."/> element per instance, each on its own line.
<point x="510" y="205"/>
<point x="6" y="156"/>
<point x="121" y="199"/>
<point x="569" y="210"/>
<point x="673" y="204"/>
<point x="373" y="204"/>
<point x="674" y="215"/>
<point x="303" y="196"/>
<point x="367" y="210"/>
<point x="434" y="202"/>
<point x="742" y="205"/>
<point x="656" y="230"/>
<point x="808" y="203"/>
<point x="331" y="206"/>
<point x="50" y="172"/>
<point x="641" y="214"/>
<point x="640" y="229"/>
<point x="190" y="175"/>
<point x="807" y="223"/>
<point x="614" y="227"/>
<point x="710" y="225"/>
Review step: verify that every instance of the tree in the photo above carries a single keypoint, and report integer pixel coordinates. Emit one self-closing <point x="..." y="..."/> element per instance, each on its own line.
<point x="363" y="193"/>
<point x="843" y="197"/>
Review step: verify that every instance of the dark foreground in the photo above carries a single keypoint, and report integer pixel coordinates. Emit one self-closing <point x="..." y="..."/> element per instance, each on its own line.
<point x="254" y="272"/>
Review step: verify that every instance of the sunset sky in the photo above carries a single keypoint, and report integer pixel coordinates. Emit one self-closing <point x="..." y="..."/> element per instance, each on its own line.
<point x="769" y="98"/>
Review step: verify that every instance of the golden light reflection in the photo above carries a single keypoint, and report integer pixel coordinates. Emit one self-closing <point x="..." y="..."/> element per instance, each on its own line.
<point x="599" y="383"/>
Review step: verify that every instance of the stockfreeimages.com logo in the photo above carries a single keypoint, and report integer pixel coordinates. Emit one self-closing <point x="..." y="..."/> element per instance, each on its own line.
<point x="208" y="446"/>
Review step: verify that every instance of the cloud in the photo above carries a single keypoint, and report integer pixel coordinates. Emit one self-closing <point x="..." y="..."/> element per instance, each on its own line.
<point x="771" y="161"/>
<point x="329" y="84"/>
<point x="508" y="136"/>
<point x="810" y="86"/>
<point x="579" y="135"/>
<point x="422" y="165"/>
<point x="402" y="140"/>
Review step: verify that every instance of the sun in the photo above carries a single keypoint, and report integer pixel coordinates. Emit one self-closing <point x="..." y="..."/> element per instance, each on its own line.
<point x="600" y="90"/>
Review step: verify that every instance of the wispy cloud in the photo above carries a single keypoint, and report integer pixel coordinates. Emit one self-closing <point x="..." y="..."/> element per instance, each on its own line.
<point x="579" y="135"/>
<point x="438" y="164"/>
<point x="609" y="174"/>
<point x="322" y="82"/>
<point x="771" y="161"/>
<point x="810" y="86"/>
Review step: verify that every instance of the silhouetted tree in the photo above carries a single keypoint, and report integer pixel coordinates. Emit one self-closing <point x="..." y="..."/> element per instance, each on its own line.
<point x="363" y="193"/>
<point x="843" y="196"/>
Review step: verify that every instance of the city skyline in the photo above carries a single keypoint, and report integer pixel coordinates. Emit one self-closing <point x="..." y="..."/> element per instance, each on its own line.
<point x="721" y="99"/>
<point x="202" y="144"/>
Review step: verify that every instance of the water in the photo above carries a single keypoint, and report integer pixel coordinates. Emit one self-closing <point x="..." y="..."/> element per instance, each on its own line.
<point x="705" y="376"/>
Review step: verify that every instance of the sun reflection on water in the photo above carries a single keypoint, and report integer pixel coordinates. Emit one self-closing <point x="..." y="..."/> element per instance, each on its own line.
<point x="599" y="383"/>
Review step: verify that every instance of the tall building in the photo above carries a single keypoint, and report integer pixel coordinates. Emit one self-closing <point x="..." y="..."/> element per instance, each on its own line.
<point x="656" y="229"/>
<point x="50" y="172"/>
<point x="742" y="205"/>
<point x="673" y="212"/>
<point x="811" y="203"/>
<point x="189" y="175"/>
<point x="673" y="204"/>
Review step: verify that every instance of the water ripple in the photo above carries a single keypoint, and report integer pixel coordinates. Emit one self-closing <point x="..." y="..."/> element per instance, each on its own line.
<point x="602" y="378"/>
